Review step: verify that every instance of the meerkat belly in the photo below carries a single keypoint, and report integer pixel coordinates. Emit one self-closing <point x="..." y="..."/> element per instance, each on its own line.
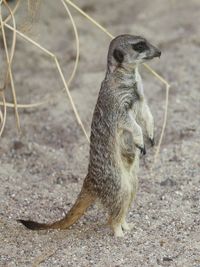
<point x="129" y="179"/>
<point x="127" y="157"/>
<point x="126" y="149"/>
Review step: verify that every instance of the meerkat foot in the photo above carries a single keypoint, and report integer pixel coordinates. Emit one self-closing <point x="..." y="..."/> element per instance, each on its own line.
<point x="116" y="227"/>
<point x="118" y="230"/>
<point x="127" y="226"/>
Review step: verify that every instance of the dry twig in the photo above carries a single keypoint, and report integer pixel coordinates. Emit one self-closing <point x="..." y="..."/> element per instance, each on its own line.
<point x="53" y="56"/>
<point x="10" y="58"/>
<point x="2" y="115"/>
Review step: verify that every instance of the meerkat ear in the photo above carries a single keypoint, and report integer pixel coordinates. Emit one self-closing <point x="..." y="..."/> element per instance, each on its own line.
<point x="118" y="55"/>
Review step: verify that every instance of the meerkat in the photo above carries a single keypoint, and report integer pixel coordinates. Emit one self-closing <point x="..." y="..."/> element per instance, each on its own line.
<point x="116" y="139"/>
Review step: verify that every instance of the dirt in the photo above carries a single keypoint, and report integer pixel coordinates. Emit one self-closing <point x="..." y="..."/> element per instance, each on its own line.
<point x="42" y="170"/>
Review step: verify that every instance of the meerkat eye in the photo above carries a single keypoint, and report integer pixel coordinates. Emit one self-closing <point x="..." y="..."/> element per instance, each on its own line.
<point x="140" y="46"/>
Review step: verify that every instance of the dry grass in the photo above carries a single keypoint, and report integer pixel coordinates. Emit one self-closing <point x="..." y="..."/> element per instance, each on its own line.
<point x="9" y="59"/>
<point x="33" y="6"/>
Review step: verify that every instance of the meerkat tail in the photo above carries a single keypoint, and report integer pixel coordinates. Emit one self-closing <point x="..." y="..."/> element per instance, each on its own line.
<point x="83" y="201"/>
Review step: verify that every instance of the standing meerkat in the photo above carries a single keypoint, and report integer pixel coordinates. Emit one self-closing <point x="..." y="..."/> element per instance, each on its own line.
<point x="116" y="139"/>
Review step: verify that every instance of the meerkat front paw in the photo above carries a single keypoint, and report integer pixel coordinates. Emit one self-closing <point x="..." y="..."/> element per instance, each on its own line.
<point x="142" y="149"/>
<point x="137" y="134"/>
<point x="152" y="141"/>
<point x="139" y="142"/>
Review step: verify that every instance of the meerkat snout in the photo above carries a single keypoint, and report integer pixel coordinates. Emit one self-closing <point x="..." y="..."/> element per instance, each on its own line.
<point x="152" y="52"/>
<point x="145" y="51"/>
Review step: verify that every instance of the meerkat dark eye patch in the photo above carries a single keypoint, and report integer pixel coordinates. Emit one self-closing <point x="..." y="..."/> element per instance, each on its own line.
<point x="140" y="46"/>
<point x="118" y="55"/>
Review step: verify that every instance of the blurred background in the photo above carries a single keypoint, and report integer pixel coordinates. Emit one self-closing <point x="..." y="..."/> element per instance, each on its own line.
<point x="42" y="169"/>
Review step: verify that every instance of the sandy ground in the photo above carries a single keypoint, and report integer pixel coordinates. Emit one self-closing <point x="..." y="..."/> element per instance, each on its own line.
<point x="41" y="172"/>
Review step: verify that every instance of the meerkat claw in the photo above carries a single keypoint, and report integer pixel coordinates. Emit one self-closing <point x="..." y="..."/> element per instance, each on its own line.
<point x="152" y="141"/>
<point x="142" y="149"/>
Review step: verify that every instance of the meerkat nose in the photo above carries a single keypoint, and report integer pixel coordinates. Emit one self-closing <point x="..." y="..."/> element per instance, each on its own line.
<point x="157" y="53"/>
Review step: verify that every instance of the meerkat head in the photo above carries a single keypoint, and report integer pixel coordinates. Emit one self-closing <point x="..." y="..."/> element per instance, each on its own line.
<point x="130" y="50"/>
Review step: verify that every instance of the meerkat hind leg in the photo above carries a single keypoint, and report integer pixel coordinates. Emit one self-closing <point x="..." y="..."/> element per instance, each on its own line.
<point x="129" y="226"/>
<point x="118" y="222"/>
<point x="126" y="226"/>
